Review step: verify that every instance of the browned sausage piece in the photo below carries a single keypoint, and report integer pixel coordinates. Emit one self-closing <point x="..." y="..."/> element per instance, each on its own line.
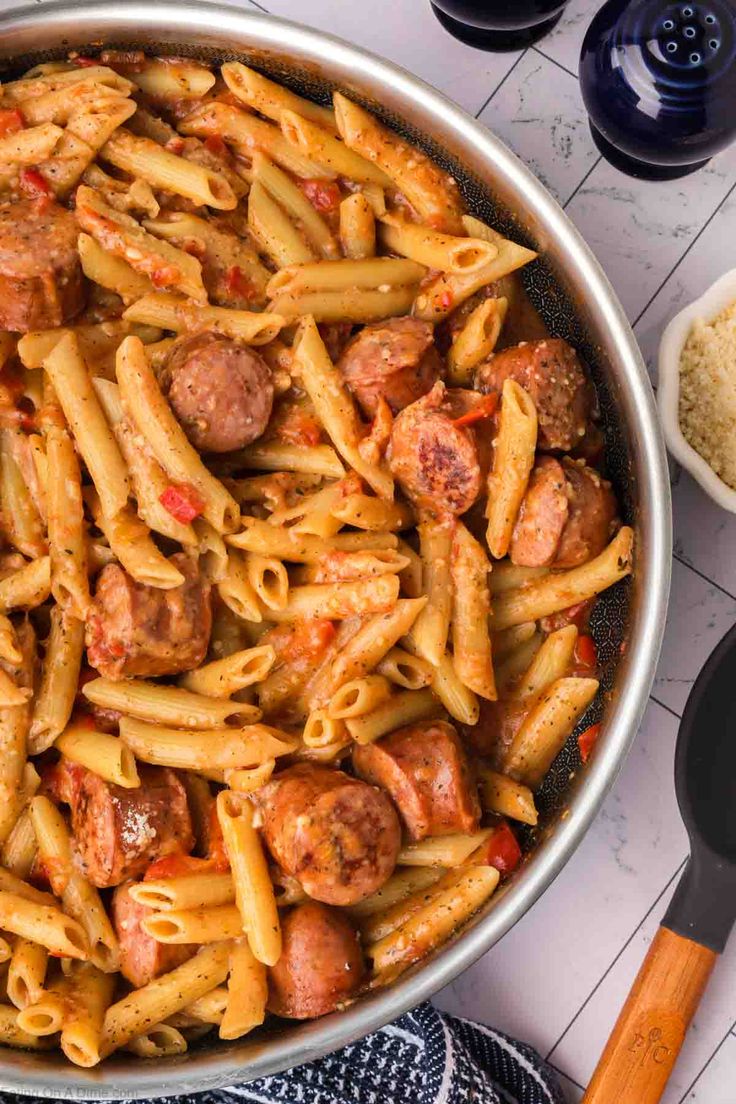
<point x="542" y="517"/>
<point x="321" y="963"/>
<point x="41" y="279"/>
<point x="593" y="515"/>
<point x="118" y="832"/>
<point x="135" y="630"/>
<point x="338" y="836"/>
<point x="426" y="772"/>
<point x="496" y="729"/>
<point x="395" y="360"/>
<point x="142" y="958"/>
<point x="552" y="374"/>
<point x="434" y="459"/>
<point x="567" y="517"/>
<point x="220" y="391"/>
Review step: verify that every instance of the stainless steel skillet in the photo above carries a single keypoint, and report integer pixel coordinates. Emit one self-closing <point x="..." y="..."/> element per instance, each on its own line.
<point x="577" y="302"/>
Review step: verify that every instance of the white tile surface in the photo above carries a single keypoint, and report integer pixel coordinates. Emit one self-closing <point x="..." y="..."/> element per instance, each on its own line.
<point x="572" y="935"/>
<point x="639" y="230"/>
<point x="565" y="41"/>
<point x="699" y="615"/>
<point x="562" y="973"/>
<point x="406" y="31"/>
<point x="548" y="132"/>
<point x="716" y="1084"/>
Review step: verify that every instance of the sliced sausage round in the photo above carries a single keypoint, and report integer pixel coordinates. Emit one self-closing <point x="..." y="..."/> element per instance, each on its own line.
<point x="142" y="958"/>
<point x="426" y="772"/>
<point x="137" y="630"/>
<point x="395" y="360"/>
<point x="542" y="517"/>
<point x="221" y="392"/>
<point x="338" y="836"/>
<point x="567" y="516"/>
<point x="592" y="517"/>
<point x="118" y="832"/>
<point x="321" y="963"/>
<point x="552" y="374"/>
<point x="496" y="729"/>
<point x="434" y="459"/>
<point x="41" y="280"/>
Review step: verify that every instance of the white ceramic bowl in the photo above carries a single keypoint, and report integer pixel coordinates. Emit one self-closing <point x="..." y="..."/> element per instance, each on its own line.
<point x="710" y="304"/>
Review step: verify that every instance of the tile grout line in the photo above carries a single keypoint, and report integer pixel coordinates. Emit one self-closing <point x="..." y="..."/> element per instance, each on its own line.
<point x="554" y="61"/>
<point x="705" y="1065"/>
<point x="505" y="77"/>
<point x="669" y="708"/>
<point x="682" y="257"/>
<point x="566" y="1076"/>
<point x="703" y="576"/>
<point x="618" y="955"/>
<point x="595" y="164"/>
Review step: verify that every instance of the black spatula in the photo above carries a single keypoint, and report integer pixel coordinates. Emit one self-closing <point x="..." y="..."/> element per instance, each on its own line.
<point x="644" y="1044"/>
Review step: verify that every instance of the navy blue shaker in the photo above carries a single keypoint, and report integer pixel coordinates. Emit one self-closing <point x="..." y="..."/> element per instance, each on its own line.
<point x="498" y="24"/>
<point x="659" y="83"/>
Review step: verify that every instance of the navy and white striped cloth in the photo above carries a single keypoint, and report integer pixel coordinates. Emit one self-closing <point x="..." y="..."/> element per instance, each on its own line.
<point x="426" y="1057"/>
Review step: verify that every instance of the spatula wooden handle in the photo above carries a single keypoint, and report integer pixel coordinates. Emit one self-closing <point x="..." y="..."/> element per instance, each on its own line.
<point x="643" y="1047"/>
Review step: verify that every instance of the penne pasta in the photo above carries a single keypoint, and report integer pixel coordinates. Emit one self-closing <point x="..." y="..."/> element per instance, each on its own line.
<point x="197" y="925"/>
<point x="337" y="601"/>
<point x="433" y="249"/>
<point x="253" y="889"/>
<point x="59" y="934"/>
<point x="343" y="275"/>
<point x="100" y="753"/>
<point x="457" y="897"/>
<point x="186" y="892"/>
<point x="504" y="795"/>
<point x="348" y="305"/>
<point x="235" y="672"/>
<point x="272" y="99"/>
<point x="432" y="194"/>
<point x="560" y="590"/>
<point x="513" y="460"/>
<point x="247" y="993"/>
<point x="163" y="997"/>
<point x="146" y="160"/>
<point x="395" y="712"/>
<point x="165" y="705"/>
<point x="54" y="701"/>
<point x="79" y="899"/>
<point x="92" y="434"/>
<point x="66" y="525"/>
<point x="188" y="749"/>
<point x="130" y="541"/>
<point x="357" y="227"/>
<point x="358" y="697"/>
<point x="476" y="340"/>
<point x="295" y="204"/>
<point x="433" y="624"/>
<point x="471" y="607"/>
<point x="177" y="313"/>
<point x="334" y="158"/>
<point x="334" y="406"/>
<point x="546" y="728"/>
<point x="143" y="402"/>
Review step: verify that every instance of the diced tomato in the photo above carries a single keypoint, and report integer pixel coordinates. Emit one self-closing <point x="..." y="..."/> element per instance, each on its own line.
<point x="183" y="502"/>
<point x="502" y="849"/>
<point x="574" y="615"/>
<point x="62" y="781"/>
<point x="295" y="426"/>
<point x="177" y="865"/>
<point x="11" y="121"/>
<point x="86" y="62"/>
<point x="214" y="144"/>
<point x="445" y="300"/>
<point x="216" y="853"/>
<point x="300" y="641"/>
<point x="34" y="185"/>
<point x="586" y="741"/>
<point x="586" y="653"/>
<point x="26" y="414"/>
<point x="485" y="409"/>
<point x="239" y="283"/>
<point x="324" y="195"/>
<point x="175" y="144"/>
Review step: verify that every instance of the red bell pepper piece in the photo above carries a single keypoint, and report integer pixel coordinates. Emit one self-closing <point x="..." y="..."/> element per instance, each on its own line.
<point x="183" y="502"/>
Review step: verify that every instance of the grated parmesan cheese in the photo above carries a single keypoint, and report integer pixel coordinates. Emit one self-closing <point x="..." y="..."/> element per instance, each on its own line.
<point x="707" y="410"/>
